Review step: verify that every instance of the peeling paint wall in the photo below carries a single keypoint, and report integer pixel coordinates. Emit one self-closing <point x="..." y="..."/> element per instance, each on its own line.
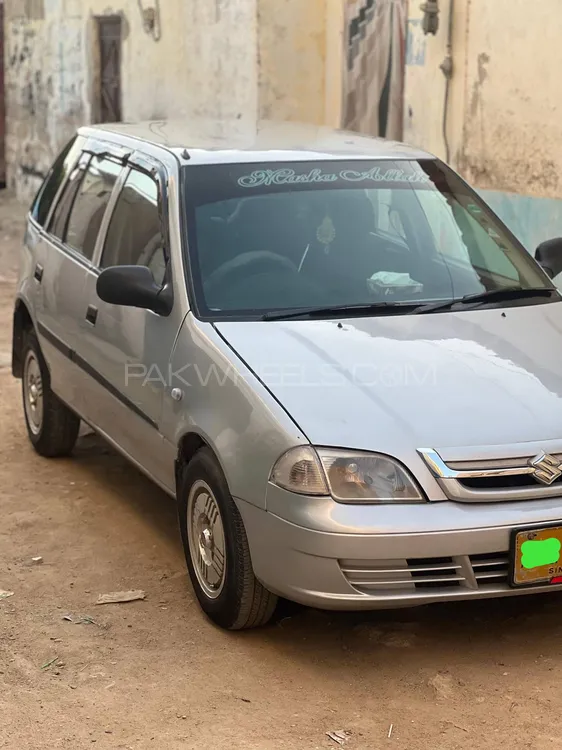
<point x="505" y="110"/>
<point x="241" y="59"/>
<point x="203" y="63"/>
<point x="512" y="137"/>
<point x="44" y="81"/>
<point x="213" y="58"/>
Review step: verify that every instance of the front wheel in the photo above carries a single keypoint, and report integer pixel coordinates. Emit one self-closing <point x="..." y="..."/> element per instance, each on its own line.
<point x="216" y="549"/>
<point x="51" y="426"/>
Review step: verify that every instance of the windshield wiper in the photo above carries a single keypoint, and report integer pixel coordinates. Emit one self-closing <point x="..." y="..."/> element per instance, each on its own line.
<point x="381" y="308"/>
<point x="337" y="310"/>
<point x="495" y="295"/>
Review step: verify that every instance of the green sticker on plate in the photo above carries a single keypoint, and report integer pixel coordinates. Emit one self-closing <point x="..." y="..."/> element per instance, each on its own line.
<point x="535" y="554"/>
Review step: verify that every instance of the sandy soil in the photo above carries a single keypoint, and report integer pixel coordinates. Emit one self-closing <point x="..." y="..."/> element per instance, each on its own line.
<point x="156" y="674"/>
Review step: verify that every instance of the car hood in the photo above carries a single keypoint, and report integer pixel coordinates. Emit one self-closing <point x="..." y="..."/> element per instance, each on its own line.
<point x="401" y="383"/>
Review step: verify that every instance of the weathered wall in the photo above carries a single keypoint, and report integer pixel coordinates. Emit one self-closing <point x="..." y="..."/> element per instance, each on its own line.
<point x="216" y="58"/>
<point x="505" y="111"/>
<point x="44" y="81"/>
<point x="300" y="60"/>
<point x="292" y="53"/>
<point x="282" y="59"/>
<point x="203" y="61"/>
<point x="203" y="64"/>
<point x="513" y="121"/>
<point x="425" y="83"/>
<point x="338" y="62"/>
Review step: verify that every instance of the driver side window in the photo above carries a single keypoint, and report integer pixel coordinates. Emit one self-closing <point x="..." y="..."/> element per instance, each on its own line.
<point x="134" y="236"/>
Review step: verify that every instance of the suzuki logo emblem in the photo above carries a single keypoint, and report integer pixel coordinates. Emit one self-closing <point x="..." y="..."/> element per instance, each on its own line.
<point x="547" y="469"/>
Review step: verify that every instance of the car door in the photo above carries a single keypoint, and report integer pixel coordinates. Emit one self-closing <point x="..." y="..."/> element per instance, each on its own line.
<point x="62" y="262"/>
<point x="42" y="257"/>
<point x="128" y="349"/>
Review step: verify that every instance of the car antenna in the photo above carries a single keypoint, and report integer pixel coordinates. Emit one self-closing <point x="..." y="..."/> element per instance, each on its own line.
<point x="185" y="155"/>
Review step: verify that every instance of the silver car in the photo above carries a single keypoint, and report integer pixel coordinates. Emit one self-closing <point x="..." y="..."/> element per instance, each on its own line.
<point x="332" y="353"/>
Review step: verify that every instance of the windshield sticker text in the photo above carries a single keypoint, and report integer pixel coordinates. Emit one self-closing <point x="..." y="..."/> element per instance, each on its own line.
<point x="268" y="177"/>
<point x="389" y="175"/>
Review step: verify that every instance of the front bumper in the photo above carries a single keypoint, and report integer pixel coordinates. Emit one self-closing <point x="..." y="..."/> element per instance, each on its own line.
<point x="332" y="556"/>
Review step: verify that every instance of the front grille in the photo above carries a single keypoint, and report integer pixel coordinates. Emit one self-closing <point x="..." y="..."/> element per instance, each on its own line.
<point x="492" y="479"/>
<point x="504" y="483"/>
<point x="494" y="463"/>
<point x="421" y="575"/>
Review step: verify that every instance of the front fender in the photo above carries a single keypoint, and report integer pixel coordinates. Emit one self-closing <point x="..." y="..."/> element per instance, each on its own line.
<point x="231" y="411"/>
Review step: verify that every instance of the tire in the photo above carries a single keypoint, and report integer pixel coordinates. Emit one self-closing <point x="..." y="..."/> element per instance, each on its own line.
<point x="51" y="426"/>
<point x="210" y="523"/>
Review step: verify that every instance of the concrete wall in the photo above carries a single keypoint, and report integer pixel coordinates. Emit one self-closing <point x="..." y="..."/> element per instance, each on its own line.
<point x="203" y="61"/>
<point x="505" y="111"/>
<point x="44" y="87"/>
<point x="292" y="54"/>
<point x="204" y="64"/>
<point x="213" y="58"/>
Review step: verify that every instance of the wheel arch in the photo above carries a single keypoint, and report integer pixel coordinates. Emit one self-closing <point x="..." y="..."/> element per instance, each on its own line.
<point x="22" y="322"/>
<point x="188" y="446"/>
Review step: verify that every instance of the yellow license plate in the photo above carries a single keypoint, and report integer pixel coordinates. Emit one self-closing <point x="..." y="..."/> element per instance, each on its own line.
<point x="537" y="557"/>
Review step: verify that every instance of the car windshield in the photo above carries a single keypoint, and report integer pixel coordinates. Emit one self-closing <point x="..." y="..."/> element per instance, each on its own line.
<point x="276" y="237"/>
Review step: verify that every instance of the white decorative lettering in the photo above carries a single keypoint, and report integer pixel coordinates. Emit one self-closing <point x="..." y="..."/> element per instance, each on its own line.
<point x="269" y="177"/>
<point x="376" y="174"/>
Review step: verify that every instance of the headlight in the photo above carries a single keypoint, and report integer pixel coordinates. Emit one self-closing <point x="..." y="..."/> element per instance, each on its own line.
<point x="367" y="477"/>
<point x="348" y="476"/>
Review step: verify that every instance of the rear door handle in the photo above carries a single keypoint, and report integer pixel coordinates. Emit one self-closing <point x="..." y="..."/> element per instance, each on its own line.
<point x="38" y="273"/>
<point x="92" y="314"/>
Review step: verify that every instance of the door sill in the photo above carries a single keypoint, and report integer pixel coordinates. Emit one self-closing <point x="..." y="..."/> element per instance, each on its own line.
<point x="129" y="458"/>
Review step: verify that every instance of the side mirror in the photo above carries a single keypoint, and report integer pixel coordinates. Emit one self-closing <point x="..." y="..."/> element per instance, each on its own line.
<point x="549" y="255"/>
<point x="134" y="286"/>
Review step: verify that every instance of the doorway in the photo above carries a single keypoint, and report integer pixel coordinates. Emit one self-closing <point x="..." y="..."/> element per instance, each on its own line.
<point x="110" y="54"/>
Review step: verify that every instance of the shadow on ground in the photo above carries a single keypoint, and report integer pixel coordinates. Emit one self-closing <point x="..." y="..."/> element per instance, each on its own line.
<point x="461" y="629"/>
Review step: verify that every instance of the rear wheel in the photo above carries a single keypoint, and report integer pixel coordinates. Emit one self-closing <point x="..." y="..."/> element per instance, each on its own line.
<point x="51" y="426"/>
<point x="216" y="549"/>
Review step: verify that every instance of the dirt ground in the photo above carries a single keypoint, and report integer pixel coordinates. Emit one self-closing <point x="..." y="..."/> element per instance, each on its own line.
<point x="156" y="674"/>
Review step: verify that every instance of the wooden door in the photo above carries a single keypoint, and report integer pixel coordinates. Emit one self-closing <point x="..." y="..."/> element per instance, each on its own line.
<point x="110" y="36"/>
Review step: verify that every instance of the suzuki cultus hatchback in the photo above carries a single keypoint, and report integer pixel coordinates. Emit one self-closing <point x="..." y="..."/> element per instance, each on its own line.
<point x="327" y="347"/>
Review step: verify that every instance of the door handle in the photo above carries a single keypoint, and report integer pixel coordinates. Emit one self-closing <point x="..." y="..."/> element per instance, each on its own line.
<point x="38" y="273"/>
<point x="92" y="314"/>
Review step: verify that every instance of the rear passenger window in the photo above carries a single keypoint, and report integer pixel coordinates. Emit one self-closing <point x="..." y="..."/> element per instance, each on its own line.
<point x="56" y="176"/>
<point x="59" y="219"/>
<point x="89" y="205"/>
<point x="134" y="237"/>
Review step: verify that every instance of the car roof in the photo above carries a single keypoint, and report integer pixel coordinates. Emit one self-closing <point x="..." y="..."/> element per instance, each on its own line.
<point x="204" y="141"/>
